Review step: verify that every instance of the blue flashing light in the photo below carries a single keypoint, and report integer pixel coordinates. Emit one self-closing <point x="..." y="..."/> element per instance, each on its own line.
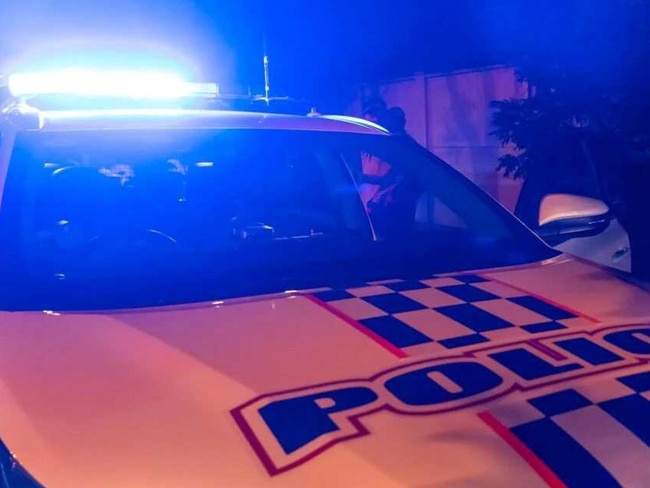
<point x="116" y="84"/>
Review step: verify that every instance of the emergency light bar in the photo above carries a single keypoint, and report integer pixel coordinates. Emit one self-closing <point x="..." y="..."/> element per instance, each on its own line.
<point x="117" y="84"/>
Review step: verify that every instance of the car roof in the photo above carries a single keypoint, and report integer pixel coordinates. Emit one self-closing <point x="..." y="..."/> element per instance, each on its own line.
<point x="142" y="119"/>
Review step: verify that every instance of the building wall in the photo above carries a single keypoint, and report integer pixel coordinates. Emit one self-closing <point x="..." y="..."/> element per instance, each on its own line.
<point x="450" y="115"/>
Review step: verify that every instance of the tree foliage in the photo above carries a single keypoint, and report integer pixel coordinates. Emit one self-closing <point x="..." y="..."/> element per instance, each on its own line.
<point x="589" y="82"/>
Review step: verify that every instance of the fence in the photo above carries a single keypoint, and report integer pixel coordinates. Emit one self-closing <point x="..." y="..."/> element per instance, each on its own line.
<point x="450" y="115"/>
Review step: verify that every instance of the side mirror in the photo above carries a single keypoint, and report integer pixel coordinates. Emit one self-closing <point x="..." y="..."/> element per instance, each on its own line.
<point x="562" y="207"/>
<point x="563" y="217"/>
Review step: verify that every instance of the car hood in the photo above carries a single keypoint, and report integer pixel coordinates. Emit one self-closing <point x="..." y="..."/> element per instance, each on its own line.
<point x="523" y="377"/>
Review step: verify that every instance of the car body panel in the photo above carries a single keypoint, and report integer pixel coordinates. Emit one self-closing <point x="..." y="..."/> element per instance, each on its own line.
<point x="171" y="396"/>
<point x="609" y="248"/>
<point x="138" y="119"/>
<point x="397" y="383"/>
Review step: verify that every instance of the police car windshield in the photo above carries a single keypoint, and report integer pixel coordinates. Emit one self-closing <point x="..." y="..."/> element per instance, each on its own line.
<point x="96" y="219"/>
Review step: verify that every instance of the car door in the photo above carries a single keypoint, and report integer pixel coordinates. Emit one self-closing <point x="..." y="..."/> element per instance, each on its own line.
<point x="586" y="228"/>
<point x="563" y="201"/>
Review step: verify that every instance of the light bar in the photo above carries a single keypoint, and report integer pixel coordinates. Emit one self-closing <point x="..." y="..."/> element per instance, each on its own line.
<point x="117" y="84"/>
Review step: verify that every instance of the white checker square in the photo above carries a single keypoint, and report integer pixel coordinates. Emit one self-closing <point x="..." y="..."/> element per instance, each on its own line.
<point x="602" y="391"/>
<point x="616" y="448"/>
<point x="506" y="335"/>
<point x="427" y="349"/>
<point x="511" y="312"/>
<point x="514" y="414"/>
<point x="432" y="297"/>
<point x="357" y="309"/>
<point x="369" y="291"/>
<point x="578" y="323"/>
<point x="440" y="282"/>
<point x="499" y="289"/>
<point x="433" y="324"/>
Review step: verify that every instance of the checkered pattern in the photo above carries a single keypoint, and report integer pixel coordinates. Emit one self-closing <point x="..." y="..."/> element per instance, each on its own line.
<point x="593" y="435"/>
<point x="446" y="313"/>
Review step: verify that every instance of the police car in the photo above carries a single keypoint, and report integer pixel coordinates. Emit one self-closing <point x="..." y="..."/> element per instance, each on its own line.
<point x="206" y="298"/>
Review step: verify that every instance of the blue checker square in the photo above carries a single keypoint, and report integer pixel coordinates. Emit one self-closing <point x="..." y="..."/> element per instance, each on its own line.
<point x="394" y="303"/>
<point x="469" y="278"/>
<point x="395" y="331"/>
<point x="639" y="382"/>
<point x="406" y="285"/>
<point x="574" y="465"/>
<point x="543" y="308"/>
<point x="468" y="293"/>
<point x="561" y="402"/>
<point x="332" y="295"/>
<point x="463" y="341"/>
<point x="587" y="350"/>
<point x="633" y="412"/>
<point x="543" y="327"/>
<point x="473" y="317"/>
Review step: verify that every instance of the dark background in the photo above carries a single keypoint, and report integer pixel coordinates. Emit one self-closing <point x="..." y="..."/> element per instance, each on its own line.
<point x="588" y="62"/>
<point x="318" y="49"/>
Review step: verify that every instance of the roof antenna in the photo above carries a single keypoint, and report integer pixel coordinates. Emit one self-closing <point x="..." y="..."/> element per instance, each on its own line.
<point x="267" y="83"/>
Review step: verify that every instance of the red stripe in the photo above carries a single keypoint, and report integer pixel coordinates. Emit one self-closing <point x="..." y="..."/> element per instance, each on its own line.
<point x="540" y="297"/>
<point x="523" y="450"/>
<point x="396" y="351"/>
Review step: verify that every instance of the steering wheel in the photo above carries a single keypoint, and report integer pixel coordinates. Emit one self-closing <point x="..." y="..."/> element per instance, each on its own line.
<point x="126" y="249"/>
<point x="134" y="240"/>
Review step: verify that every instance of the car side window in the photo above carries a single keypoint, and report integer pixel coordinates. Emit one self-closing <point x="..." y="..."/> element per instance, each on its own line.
<point x="406" y="194"/>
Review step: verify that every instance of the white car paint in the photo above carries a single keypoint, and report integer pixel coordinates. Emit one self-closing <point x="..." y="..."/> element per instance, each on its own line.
<point x="180" y="395"/>
<point x="610" y="248"/>
<point x="558" y="207"/>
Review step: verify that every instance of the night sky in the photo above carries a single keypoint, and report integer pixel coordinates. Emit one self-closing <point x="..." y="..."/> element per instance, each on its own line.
<point x="315" y="47"/>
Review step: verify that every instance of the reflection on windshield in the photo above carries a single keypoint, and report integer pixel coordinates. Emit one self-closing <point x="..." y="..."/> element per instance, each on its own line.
<point x="101" y="197"/>
<point x="248" y="207"/>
